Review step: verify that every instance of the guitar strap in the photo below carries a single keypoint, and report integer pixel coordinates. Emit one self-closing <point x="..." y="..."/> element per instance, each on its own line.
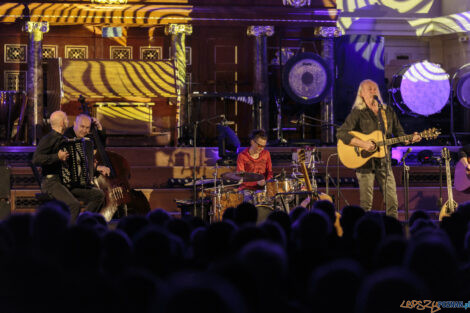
<point x="384" y="119"/>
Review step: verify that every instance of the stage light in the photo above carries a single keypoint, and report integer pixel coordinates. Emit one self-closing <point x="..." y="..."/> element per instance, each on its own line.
<point x="421" y="88"/>
<point x="462" y="89"/>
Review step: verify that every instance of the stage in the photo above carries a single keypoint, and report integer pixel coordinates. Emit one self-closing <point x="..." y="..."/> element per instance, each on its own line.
<point x="161" y="173"/>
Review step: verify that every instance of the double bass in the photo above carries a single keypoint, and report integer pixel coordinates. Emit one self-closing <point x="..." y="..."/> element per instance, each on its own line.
<point x="115" y="186"/>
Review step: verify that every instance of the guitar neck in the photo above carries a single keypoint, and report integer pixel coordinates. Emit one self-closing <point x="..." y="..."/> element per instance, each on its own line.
<point x="307" y="178"/>
<point x="394" y="140"/>
<point x="450" y="194"/>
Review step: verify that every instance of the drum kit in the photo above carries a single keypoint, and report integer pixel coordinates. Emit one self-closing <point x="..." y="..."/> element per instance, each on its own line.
<point x="279" y="193"/>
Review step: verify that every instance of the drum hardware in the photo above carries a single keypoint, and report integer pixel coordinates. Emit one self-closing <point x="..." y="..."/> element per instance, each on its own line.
<point x="301" y="121"/>
<point x="279" y="130"/>
<point x="200" y="182"/>
<point x="195" y="125"/>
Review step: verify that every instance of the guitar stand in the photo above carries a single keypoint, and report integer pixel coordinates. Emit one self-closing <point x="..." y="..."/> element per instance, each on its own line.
<point x="406" y="185"/>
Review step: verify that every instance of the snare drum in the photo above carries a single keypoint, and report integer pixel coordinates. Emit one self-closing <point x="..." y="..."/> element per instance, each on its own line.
<point x="226" y="200"/>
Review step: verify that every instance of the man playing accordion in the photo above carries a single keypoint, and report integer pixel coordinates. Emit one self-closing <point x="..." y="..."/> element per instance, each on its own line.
<point x="51" y="155"/>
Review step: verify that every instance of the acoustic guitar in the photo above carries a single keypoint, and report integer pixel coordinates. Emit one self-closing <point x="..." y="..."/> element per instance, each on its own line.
<point x="354" y="157"/>
<point x="449" y="207"/>
<point x="461" y="177"/>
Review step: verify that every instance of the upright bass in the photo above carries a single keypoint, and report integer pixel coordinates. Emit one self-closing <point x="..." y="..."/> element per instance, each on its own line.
<point x="115" y="186"/>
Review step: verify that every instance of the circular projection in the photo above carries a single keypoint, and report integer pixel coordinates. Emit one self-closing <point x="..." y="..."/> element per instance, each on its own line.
<point x="306" y="78"/>
<point x="463" y="90"/>
<point x="421" y="88"/>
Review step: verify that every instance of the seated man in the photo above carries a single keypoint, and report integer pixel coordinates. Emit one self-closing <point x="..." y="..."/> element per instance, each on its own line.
<point x="81" y="128"/>
<point x="49" y="156"/>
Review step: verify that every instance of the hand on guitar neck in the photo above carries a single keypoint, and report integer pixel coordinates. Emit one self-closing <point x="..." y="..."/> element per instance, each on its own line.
<point x="450" y="206"/>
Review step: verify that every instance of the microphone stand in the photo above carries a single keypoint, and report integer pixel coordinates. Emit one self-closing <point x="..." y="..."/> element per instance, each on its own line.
<point x="195" y="125"/>
<point x="387" y="161"/>
<point x="339" y="193"/>
<point x="406" y="185"/>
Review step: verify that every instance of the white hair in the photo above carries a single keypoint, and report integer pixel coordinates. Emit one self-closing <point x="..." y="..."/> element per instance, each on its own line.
<point x="359" y="103"/>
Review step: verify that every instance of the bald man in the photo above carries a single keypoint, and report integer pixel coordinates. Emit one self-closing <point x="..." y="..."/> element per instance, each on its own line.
<point x="49" y="156"/>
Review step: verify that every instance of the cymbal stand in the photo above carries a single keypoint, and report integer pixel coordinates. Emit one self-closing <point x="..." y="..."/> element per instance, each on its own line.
<point x="313" y="170"/>
<point x="303" y="123"/>
<point x="279" y="130"/>
<point x="195" y="125"/>
<point x="216" y="206"/>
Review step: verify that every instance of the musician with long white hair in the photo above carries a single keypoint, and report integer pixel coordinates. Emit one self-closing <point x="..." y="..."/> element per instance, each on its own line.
<point x="365" y="118"/>
<point x="49" y="155"/>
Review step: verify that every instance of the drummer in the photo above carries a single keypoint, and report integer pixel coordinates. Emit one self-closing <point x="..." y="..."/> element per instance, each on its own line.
<point x="255" y="159"/>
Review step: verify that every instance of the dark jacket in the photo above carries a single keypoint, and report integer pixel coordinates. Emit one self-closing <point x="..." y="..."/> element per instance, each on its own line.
<point x="46" y="153"/>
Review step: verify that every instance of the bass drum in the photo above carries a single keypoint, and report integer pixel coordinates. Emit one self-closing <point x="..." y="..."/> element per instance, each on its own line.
<point x="421" y="88"/>
<point x="263" y="212"/>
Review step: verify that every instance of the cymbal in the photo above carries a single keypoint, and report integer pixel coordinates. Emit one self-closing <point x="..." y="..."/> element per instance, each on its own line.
<point x="246" y="176"/>
<point x="200" y="182"/>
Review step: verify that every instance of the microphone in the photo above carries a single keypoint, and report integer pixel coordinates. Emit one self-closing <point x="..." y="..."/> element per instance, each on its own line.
<point x="379" y="104"/>
<point x="405" y="155"/>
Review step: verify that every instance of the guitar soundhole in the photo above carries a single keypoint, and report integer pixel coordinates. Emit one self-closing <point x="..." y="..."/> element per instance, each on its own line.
<point x="366" y="154"/>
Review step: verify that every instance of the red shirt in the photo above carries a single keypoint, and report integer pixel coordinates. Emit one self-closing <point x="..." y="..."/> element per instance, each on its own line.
<point x="261" y="165"/>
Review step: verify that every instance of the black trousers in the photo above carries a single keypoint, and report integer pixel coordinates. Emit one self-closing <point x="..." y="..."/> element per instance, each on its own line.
<point x="92" y="197"/>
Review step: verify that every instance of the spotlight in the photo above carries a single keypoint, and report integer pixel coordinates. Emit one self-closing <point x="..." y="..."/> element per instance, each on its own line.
<point x="463" y="90"/>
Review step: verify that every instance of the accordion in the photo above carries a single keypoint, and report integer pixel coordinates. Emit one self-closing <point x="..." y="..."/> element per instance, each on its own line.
<point x="77" y="170"/>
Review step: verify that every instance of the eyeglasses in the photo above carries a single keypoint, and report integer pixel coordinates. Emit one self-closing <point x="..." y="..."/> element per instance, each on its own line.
<point x="259" y="145"/>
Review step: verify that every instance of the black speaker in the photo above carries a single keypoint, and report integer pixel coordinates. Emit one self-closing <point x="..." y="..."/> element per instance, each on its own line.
<point x="4" y="208"/>
<point x="4" y="190"/>
<point x="4" y="181"/>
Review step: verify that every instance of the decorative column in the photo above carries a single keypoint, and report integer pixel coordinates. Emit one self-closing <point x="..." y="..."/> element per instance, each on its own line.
<point x="34" y="85"/>
<point x="260" y="62"/>
<point x="327" y="109"/>
<point x="178" y="34"/>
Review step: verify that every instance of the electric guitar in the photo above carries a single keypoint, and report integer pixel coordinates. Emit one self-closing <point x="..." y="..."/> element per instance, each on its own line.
<point x="449" y="207"/>
<point x="354" y="157"/>
<point x="461" y="177"/>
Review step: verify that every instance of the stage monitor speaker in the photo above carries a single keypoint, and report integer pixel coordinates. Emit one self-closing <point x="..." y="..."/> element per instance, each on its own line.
<point x="120" y="118"/>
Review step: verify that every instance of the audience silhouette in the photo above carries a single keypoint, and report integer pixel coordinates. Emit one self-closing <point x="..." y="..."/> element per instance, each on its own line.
<point x="287" y="263"/>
